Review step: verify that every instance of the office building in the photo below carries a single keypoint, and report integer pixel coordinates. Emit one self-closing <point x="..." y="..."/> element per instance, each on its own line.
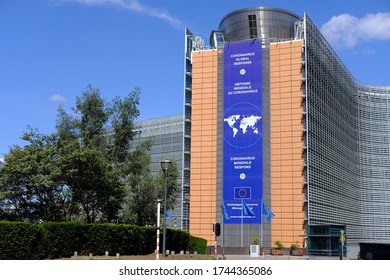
<point x="167" y="136"/>
<point x="275" y="122"/>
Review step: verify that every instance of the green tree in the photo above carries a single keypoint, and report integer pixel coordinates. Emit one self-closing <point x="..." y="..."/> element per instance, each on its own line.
<point x="66" y="127"/>
<point x="100" y="163"/>
<point x="88" y="170"/>
<point x="93" y="117"/>
<point x="173" y="186"/>
<point x="30" y="183"/>
<point x="146" y="189"/>
<point x="122" y="116"/>
<point x="142" y="191"/>
<point x="94" y="184"/>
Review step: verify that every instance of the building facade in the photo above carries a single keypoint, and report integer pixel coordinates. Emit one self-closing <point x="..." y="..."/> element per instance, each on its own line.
<point x="167" y="136"/>
<point x="274" y="121"/>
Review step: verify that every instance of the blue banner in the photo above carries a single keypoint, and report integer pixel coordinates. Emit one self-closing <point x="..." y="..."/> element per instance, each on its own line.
<point x="242" y="166"/>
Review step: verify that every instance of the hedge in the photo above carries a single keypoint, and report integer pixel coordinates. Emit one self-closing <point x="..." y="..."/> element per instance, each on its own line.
<point x="20" y="240"/>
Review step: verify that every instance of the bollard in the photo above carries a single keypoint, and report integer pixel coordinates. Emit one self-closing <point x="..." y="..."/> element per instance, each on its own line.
<point x="75" y="254"/>
<point x="106" y="253"/>
<point x="117" y="255"/>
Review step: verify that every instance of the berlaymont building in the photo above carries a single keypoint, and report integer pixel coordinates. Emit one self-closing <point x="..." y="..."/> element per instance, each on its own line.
<point x="281" y="142"/>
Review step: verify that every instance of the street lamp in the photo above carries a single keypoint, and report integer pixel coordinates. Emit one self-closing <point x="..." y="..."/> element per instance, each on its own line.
<point x="165" y="165"/>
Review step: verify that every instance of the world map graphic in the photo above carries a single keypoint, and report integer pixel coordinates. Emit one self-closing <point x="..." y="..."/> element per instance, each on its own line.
<point x="243" y="125"/>
<point x="237" y="122"/>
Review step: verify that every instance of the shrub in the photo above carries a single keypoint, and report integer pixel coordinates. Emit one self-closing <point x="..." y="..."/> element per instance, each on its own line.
<point x="279" y="245"/>
<point x="197" y="244"/>
<point x="20" y="241"/>
<point x="59" y="240"/>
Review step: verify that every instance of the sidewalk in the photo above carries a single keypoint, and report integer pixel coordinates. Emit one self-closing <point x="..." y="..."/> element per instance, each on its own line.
<point x="264" y="257"/>
<point x="284" y="257"/>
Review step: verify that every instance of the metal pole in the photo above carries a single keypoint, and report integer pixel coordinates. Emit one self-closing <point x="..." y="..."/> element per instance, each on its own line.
<point x="223" y="235"/>
<point x="165" y="213"/>
<point x="215" y="247"/>
<point x="165" y="166"/>
<point x="261" y="225"/>
<point x="158" y="230"/>
<point x="242" y="218"/>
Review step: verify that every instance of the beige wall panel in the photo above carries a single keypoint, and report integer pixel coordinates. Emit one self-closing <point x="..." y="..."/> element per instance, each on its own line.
<point x="208" y="64"/>
<point x="286" y="142"/>
<point x="207" y="106"/>
<point x="208" y="149"/>
<point x="208" y="79"/>
<point x="195" y="176"/>
<point x="208" y="121"/>
<point x="196" y="87"/>
<point x="286" y="116"/>
<point x="203" y="145"/>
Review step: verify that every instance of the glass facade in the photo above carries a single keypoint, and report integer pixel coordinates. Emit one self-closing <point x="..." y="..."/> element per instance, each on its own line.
<point x="167" y="136"/>
<point x="374" y="163"/>
<point x="347" y="155"/>
<point x="330" y="132"/>
<point x="266" y="23"/>
<point x="325" y="240"/>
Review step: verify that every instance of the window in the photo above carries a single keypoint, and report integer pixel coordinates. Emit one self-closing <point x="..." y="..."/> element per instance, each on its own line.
<point x="252" y="26"/>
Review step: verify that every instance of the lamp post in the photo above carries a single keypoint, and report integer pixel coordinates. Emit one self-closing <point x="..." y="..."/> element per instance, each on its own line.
<point x="165" y="165"/>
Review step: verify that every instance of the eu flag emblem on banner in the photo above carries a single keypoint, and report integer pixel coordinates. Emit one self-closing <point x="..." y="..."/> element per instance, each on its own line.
<point x="242" y="193"/>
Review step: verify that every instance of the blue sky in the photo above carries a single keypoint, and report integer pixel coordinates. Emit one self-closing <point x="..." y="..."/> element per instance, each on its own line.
<point x="51" y="50"/>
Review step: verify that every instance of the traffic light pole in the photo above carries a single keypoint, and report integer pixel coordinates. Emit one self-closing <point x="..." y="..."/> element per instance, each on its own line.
<point x="223" y="239"/>
<point x="215" y="248"/>
<point x="217" y="232"/>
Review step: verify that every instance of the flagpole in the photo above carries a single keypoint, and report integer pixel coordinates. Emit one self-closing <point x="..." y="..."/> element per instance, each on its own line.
<point x="261" y="225"/>
<point x="223" y="231"/>
<point x="242" y="217"/>
<point x="225" y="216"/>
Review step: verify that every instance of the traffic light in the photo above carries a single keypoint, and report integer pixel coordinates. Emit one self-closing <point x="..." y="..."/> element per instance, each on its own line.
<point x="217" y="229"/>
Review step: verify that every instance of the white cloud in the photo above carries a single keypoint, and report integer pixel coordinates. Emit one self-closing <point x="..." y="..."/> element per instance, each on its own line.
<point x="346" y="30"/>
<point x="134" y="6"/>
<point x="2" y="160"/>
<point x="58" y="98"/>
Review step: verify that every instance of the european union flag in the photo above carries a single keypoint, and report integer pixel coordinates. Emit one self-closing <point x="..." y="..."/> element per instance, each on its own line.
<point x="267" y="213"/>
<point x="225" y="213"/>
<point x="242" y="193"/>
<point x="246" y="210"/>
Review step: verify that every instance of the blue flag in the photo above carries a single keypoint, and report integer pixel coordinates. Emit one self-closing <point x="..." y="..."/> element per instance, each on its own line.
<point x="246" y="210"/>
<point x="225" y="213"/>
<point x="267" y="213"/>
<point x="168" y="214"/>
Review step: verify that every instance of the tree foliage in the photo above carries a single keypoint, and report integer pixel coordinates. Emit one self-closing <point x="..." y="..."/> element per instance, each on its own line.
<point x="30" y="181"/>
<point x="87" y="170"/>
<point x="96" y="188"/>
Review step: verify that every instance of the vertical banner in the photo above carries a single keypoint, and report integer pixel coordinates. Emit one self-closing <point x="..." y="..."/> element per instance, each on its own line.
<point x="242" y="166"/>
